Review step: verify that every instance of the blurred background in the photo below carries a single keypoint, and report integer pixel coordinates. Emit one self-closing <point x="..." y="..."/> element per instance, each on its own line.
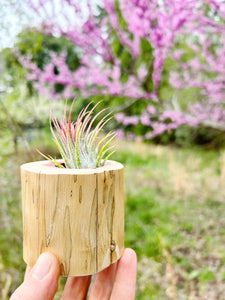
<point x="160" y="67"/>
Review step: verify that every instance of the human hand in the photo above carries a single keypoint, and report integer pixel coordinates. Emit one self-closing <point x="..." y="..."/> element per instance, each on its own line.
<point x="116" y="282"/>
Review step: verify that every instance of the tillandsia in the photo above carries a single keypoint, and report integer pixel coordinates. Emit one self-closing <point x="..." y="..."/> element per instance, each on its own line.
<point x="79" y="143"/>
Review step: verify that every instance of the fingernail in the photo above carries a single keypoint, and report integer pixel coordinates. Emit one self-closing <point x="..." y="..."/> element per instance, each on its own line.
<point x="42" y="267"/>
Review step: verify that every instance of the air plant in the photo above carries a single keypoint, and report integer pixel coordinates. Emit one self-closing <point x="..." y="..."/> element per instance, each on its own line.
<point x="79" y="143"/>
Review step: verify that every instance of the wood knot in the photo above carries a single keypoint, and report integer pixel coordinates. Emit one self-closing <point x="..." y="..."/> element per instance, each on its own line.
<point x="112" y="246"/>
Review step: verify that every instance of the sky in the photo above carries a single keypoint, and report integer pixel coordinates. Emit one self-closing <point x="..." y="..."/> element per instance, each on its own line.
<point x="12" y="22"/>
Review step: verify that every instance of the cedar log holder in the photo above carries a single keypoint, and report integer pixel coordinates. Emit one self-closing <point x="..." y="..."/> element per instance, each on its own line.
<point x="76" y="214"/>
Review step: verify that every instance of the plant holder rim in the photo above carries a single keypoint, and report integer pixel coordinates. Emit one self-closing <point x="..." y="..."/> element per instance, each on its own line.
<point x="47" y="167"/>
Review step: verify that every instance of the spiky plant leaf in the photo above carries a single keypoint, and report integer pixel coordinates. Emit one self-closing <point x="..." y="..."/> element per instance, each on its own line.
<point x="102" y="150"/>
<point x="78" y="142"/>
<point x="51" y="159"/>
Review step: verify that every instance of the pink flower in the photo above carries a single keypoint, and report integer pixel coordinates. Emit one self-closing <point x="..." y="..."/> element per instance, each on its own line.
<point x="151" y="109"/>
<point x="119" y="117"/>
<point x="120" y="134"/>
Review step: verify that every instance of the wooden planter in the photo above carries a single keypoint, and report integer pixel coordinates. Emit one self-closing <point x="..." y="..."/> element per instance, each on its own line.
<point x="77" y="214"/>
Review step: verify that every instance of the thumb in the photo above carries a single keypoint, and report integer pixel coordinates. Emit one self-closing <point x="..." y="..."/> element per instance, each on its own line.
<point x="42" y="281"/>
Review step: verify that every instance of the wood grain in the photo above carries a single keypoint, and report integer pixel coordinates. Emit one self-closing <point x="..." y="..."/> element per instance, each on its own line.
<point x="78" y="215"/>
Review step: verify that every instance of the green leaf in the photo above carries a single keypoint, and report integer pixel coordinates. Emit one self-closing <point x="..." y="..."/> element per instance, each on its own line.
<point x="51" y="159"/>
<point x="77" y="157"/>
<point x="102" y="150"/>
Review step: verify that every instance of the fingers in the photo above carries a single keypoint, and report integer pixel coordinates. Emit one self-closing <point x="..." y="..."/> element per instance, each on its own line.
<point x="125" y="279"/>
<point x="41" y="282"/>
<point x="102" y="286"/>
<point x="27" y="273"/>
<point x="76" y="288"/>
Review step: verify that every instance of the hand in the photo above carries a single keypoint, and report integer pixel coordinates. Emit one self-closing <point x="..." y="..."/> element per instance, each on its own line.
<point x="116" y="282"/>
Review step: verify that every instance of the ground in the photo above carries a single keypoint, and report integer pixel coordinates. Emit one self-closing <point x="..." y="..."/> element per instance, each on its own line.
<point x="174" y="219"/>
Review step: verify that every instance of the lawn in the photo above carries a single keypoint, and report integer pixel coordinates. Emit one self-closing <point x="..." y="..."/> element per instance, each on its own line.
<point x="175" y="220"/>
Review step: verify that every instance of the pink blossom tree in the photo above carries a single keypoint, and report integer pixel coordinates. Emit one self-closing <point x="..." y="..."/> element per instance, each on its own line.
<point x="110" y="40"/>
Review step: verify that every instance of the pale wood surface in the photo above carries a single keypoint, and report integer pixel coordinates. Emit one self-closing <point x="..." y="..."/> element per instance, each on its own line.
<point x="76" y="214"/>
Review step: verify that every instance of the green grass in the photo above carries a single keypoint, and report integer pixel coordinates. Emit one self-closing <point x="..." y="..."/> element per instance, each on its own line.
<point x="174" y="220"/>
